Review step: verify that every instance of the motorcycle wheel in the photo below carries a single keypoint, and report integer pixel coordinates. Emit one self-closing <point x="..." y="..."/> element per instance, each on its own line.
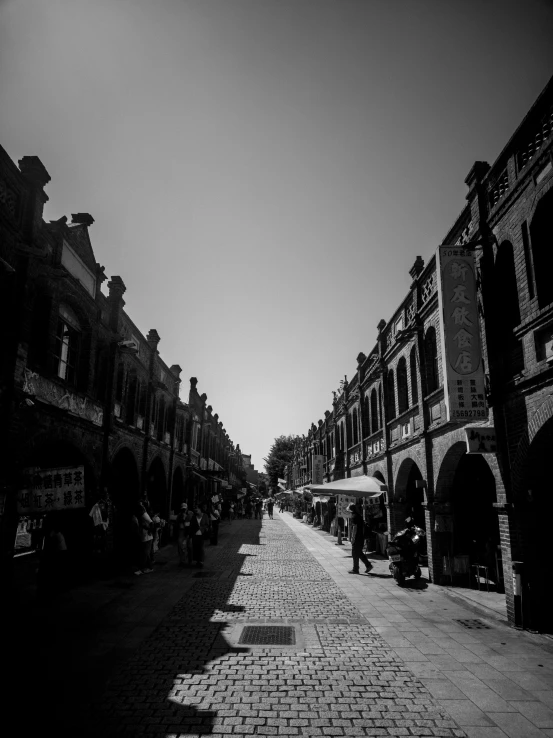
<point x="399" y="576"/>
<point x="418" y="573"/>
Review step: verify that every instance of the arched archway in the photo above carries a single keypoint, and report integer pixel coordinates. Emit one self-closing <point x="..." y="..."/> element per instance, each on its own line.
<point x="383" y="497"/>
<point x="124" y="482"/>
<point x="407" y="489"/>
<point x="177" y="490"/>
<point x="156" y="487"/>
<point x="124" y="490"/>
<point x="465" y="494"/>
<point x="536" y="531"/>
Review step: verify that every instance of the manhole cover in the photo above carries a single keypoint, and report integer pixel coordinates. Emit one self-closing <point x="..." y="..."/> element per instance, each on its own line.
<point x="268" y="635"/>
<point x="203" y="574"/>
<point x="476" y="624"/>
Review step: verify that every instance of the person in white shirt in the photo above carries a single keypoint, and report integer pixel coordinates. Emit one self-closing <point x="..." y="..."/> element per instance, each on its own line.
<point x="145" y="524"/>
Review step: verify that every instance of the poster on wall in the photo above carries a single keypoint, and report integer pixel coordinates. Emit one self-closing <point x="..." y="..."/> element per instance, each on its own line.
<point x="61" y="488"/>
<point x="463" y="369"/>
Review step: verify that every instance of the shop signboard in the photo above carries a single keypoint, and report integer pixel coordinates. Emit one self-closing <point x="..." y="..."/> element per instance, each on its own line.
<point x="342" y="503"/>
<point x="481" y="439"/>
<point x="464" y="381"/>
<point x="317" y="476"/>
<point x="61" y="488"/>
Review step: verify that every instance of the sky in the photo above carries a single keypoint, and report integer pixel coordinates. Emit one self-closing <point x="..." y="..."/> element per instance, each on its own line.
<point x="263" y="173"/>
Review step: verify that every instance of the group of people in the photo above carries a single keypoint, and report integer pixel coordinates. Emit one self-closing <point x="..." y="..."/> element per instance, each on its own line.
<point x="194" y="528"/>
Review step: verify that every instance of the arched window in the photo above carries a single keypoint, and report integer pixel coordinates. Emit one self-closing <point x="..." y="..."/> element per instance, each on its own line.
<point x="414" y="377"/>
<point x="68" y="345"/>
<point x="380" y="405"/>
<point x="132" y="395"/>
<point x="508" y="346"/>
<point x="402" y="389"/>
<point x="349" y="431"/>
<point x="355" y="422"/>
<point x="365" y="418"/>
<point x="431" y="360"/>
<point x="391" y="396"/>
<point x="375" y="425"/>
<point x="541" y="238"/>
<point x="119" y="382"/>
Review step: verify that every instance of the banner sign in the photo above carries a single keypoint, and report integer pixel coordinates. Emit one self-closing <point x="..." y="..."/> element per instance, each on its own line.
<point x="317" y="476"/>
<point x="342" y="502"/>
<point x="481" y="439"/>
<point x="464" y="381"/>
<point x="52" y="489"/>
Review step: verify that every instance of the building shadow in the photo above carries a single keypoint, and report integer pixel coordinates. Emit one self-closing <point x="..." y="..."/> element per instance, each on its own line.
<point x="158" y="684"/>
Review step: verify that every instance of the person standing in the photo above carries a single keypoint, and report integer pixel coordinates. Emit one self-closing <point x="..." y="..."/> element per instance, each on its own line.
<point x="145" y="525"/>
<point x="270" y="505"/>
<point x="183" y="542"/>
<point x="199" y="527"/>
<point x="358" y="541"/>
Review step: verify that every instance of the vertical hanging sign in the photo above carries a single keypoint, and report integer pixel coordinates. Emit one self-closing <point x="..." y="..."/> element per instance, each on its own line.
<point x="464" y="381"/>
<point x="317" y="473"/>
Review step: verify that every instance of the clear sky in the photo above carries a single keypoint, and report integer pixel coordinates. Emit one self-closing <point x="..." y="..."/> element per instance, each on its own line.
<point x="263" y="173"/>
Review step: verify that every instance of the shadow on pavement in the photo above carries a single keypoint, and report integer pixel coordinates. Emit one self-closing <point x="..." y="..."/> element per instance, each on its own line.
<point x="70" y="675"/>
<point x="158" y="685"/>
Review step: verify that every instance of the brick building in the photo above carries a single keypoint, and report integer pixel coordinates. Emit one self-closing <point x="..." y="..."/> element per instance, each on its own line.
<point x="83" y="392"/>
<point x="389" y="420"/>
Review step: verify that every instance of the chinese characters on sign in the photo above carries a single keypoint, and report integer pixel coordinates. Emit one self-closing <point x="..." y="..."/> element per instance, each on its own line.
<point x="342" y="502"/>
<point x="317" y="470"/>
<point x="52" y="489"/>
<point x="481" y="439"/>
<point x="464" y="381"/>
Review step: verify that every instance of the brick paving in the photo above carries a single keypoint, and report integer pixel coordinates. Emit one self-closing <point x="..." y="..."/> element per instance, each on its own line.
<point x="190" y="677"/>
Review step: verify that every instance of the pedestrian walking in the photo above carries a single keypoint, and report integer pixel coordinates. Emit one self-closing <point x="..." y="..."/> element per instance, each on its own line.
<point x="270" y="505"/>
<point x="145" y="526"/>
<point x="199" y="527"/>
<point x="358" y="541"/>
<point x="184" y="541"/>
<point x="52" y="575"/>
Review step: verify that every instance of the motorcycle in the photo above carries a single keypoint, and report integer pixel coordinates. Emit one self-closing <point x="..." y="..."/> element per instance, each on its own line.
<point x="403" y="553"/>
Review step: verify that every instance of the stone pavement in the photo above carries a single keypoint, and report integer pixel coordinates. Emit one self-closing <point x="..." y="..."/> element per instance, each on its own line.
<point x="369" y="658"/>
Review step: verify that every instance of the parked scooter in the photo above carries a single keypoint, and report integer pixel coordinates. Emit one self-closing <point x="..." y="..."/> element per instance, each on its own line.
<point x="403" y="552"/>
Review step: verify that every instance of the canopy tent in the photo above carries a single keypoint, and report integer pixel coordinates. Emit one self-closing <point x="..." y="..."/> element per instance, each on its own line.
<point x="362" y="486"/>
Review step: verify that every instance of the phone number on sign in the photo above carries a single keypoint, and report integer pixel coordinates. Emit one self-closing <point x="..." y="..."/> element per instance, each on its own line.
<point x="469" y="414"/>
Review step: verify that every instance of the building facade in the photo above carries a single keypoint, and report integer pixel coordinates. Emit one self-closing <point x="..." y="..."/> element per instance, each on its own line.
<point x="390" y="418"/>
<point x="90" y="411"/>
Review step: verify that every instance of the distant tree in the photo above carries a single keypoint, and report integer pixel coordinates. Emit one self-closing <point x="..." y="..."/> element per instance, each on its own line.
<point x="280" y="454"/>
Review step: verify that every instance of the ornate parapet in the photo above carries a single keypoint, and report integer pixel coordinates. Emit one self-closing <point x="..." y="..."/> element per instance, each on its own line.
<point x="45" y="390"/>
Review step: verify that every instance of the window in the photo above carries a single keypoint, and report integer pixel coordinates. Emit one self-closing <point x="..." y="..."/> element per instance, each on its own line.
<point x="119" y="382"/>
<point x="161" y="419"/>
<point x="68" y="345"/>
<point x="431" y="360"/>
<point x="414" y="378"/>
<point x="391" y="396"/>
<point x="402" y="388"/>
<point x="541" y="236"/>
<point x="374" y="412"/>
<point x="132" y="393"/>
<point x="508" y="346"/>
<point x="355" y="422"/>
<point x="366" y="417"/>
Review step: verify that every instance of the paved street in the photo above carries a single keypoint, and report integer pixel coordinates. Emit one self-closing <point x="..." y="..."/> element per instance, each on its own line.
<point x="369" y="658"/>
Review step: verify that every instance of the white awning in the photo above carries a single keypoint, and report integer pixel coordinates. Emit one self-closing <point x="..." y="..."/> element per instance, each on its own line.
<point x="362" y="486"/>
